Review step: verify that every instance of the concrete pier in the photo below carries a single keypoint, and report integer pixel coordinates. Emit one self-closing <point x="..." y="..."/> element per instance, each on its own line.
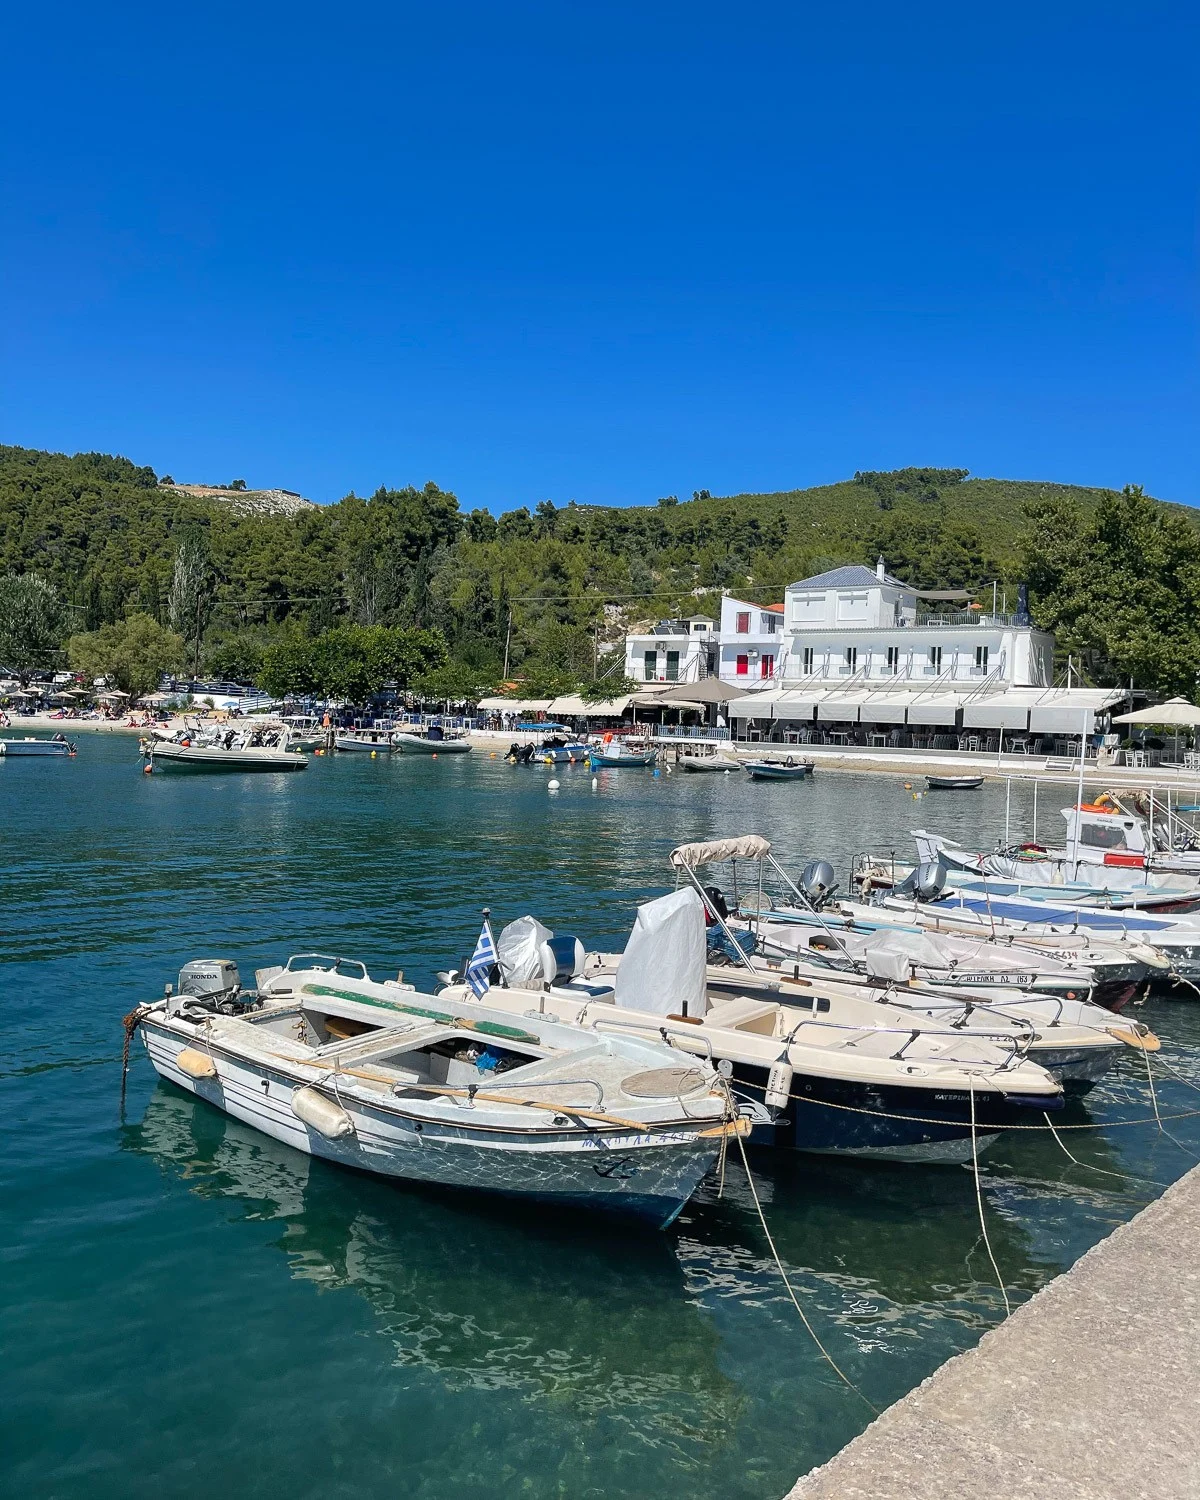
<point x="1090" y="1391"/>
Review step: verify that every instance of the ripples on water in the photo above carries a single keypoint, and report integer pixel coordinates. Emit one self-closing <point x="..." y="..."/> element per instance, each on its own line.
<point x="189" y="1307"/>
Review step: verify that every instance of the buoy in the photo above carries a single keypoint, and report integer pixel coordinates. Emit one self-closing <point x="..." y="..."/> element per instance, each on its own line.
<point x="435" y="755"/>
<point x="492" y="756"/>
<point x="595" y="782"/>
<point x="656" y="771"/>
<point x="372" y="754"/>
<point x="552" y="785"/>
<point x="147" y="769"/>
<point x="725" y="772"/>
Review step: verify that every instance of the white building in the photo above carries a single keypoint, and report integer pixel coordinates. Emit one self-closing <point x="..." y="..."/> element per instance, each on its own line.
<point x="751" y="642"/>
<point x="674" y="651"/>
<point x="864" y="654"/>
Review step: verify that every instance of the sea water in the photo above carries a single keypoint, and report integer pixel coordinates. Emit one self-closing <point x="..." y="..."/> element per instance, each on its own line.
<point x="188" y="1308"/>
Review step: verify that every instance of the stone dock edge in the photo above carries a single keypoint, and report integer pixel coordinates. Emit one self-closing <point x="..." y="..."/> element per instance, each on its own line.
<point x="1090" y="1390"/>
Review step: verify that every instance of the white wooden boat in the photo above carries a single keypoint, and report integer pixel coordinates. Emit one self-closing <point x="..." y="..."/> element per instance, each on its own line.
<point x="431" y="741"/>
<point x="706" y="764"/>
<point x="256" y="748"/>
<point x="392" y="1081"/>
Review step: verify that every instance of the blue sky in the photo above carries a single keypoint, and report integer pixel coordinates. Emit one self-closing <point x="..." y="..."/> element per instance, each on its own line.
<point x="603" y="252"/>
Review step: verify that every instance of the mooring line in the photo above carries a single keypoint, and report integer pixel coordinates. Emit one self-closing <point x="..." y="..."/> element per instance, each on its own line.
<point x="812" y="1332"/>
<point x="979" y="1201"/>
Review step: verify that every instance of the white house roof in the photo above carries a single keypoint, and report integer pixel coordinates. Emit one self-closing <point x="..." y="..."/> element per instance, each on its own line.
<point x="852" y="576"/>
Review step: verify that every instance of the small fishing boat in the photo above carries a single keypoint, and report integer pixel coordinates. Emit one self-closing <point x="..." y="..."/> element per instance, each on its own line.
<point x="31" y="745"/>
<point x="383" y="1078"/>
<point x="778" y="770"/>
<point x="431" y="741"/>
<point x="616" y="755"/>
<point x="953" y="783"/>
<point x="555" y="750"/>
<point x="364" y="741"/>
<point x="700" y="765"/>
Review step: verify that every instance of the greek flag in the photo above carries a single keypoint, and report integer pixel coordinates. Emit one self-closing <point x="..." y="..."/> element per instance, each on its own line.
<point x="480" y="966"/>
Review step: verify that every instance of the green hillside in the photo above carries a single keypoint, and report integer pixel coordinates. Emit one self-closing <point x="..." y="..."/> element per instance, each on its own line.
<point x="107" y="534"/>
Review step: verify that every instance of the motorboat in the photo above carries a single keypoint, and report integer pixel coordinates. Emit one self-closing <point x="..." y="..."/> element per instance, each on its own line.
<point x="788" y="769"/>
<point x="1077" y="1041"/>
<point x="430" y="741"/>
<point x="384" y="1078"/>
<point x="953" y="783"/>
<point x="57" y="745"/>
<point x="615" y="754"/>
<point x="364" y="741"/>
<point x="305" y="732"/>
<point x="822" y="1073"/>
<point x="1107" y="841"/>
<point x="261" y="748"/>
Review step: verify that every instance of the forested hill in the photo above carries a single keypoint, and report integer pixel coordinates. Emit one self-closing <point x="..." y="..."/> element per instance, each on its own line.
<point x="107" y="533"/>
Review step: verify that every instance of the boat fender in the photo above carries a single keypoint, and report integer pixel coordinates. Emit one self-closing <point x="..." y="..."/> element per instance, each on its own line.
<point x="196" y="1064"/>
<point x="324" y="1115"/>
<point x="779" y="1086"/>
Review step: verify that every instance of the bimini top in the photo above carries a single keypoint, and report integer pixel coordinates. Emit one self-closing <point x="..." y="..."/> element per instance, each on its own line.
<point x="749" y="846"/>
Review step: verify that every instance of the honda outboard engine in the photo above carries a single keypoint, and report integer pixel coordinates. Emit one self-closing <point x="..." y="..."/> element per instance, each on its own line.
<point x="817" y="882"/>
<point x="209" y="985"/>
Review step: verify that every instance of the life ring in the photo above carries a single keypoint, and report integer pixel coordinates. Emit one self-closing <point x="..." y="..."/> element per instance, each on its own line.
<point x="1103" y="804"/>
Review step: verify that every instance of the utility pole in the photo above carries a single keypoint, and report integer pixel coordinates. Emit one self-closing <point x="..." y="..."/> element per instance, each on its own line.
<point x="507" y="639"/>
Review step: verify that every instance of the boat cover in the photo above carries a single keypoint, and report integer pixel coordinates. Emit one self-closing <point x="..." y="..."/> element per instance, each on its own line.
<point x="749" y="846"/>
<point x="895" y="954"/>
<point x="519" y="952"/>
<point x="663" y="967"/>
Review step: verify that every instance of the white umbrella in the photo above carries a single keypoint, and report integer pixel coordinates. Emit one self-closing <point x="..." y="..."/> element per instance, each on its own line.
<point x="1177" y="712"/>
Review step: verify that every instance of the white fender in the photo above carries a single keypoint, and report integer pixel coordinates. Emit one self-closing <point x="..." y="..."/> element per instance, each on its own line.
<point x="325" y="1115"/>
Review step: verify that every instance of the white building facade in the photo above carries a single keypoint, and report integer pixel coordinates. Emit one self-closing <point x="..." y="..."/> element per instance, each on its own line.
<point x="674" y="651"/>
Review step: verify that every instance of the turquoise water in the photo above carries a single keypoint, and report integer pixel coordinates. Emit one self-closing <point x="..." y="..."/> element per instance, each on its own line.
<point x="188" y="1308"/>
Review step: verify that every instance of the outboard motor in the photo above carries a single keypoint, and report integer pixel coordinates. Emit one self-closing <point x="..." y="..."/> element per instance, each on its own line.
<point x="926" y="883"/>
<point x="208" y="985"/>
<point x="817" y="882"/>
<point x="715" y="897"/>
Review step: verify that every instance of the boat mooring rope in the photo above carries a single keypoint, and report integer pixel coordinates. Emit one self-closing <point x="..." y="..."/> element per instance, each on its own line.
<point x="979" y="1203"/>
<point x="131" y="1022"/>
<point x="812" y="1333"/>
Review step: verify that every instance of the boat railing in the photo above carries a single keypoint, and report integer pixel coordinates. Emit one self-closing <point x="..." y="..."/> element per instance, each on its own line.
<point x="911" y="1033"/>
<point x="665" y="1032"/>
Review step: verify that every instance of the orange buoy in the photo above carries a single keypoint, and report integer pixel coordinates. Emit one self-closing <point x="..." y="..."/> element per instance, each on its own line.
<point x="147" y="769"/>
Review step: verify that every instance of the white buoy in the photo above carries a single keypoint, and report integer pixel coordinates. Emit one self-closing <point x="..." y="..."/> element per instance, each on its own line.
<point x="595" y="782"/>
<point x="552" y="785"/>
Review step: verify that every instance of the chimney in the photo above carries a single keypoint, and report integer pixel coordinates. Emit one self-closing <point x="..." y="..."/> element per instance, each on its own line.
<point x="880" y="570"/>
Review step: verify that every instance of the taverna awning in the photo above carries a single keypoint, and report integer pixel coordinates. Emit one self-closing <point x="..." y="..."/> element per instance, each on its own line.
<point x="605" y="708"/>
<point x="1038" y="710"/>
<point x="515" y="705"/>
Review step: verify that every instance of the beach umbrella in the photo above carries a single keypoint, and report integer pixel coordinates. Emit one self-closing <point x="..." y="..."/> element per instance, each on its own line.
<point x="1175" y="713"/>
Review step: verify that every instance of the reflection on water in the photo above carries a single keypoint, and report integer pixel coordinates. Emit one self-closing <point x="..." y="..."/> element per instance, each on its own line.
<point x="463" y="1288"/>
<point x="344" y="1335"/>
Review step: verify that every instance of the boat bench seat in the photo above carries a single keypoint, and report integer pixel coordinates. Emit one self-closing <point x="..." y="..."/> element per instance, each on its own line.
<point x="744" y="1014"/>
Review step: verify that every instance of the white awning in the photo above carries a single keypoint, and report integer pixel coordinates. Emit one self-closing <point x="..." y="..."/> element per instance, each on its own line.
<point x="885" y="708"/>
<point x="940" y="708"/>
<point x="572" y="703"/>
<point x="840" y="708"/>
<point x="756" y="705"/>
<point x="798" y="703"/>
<point x="1000" y="711"/>
<point x="515" y="705"/>
<point x="1071" y="710"/>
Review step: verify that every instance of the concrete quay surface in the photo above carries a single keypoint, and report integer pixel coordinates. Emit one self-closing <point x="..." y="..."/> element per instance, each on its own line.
<point x="1090" y="1391"/>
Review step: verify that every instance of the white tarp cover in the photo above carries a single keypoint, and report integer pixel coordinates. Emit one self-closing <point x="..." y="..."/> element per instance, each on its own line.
<point x="893" y="955"/>
<point x="518" y="951"/>
<point x="749" y="846"/>
<point x="663" y="967"/>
